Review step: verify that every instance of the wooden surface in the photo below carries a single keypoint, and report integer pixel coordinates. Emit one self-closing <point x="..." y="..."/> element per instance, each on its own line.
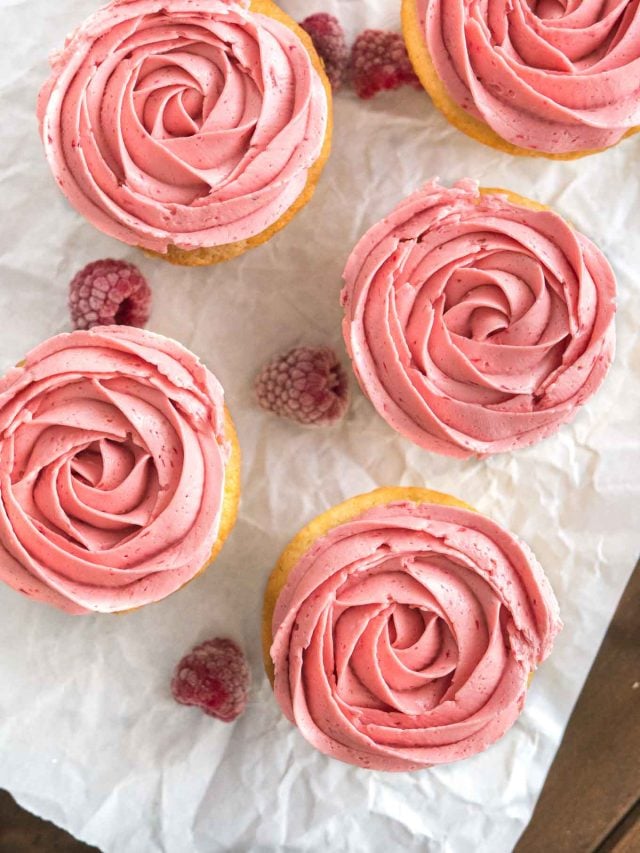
<point x="21" y="832"/>
<point x="591" y="801"/>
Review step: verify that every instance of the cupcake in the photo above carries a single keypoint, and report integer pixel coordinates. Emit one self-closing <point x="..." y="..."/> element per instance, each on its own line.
<point x="119" y="470"/>
<point x="477" y="321"/>
<point x="401" y="629"/>
<point x="194" y="129"/>
<point x="550" y="78"/>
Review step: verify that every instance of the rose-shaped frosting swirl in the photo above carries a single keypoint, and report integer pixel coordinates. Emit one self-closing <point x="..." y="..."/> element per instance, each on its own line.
<point x="477" y="325"/>
<point x="182" y="122"/>
<point x="112" y="469"/>
<point x="556" y="76"/>
<point x="405" y="637"/>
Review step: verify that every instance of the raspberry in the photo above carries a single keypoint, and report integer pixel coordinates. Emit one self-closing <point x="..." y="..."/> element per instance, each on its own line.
<point x="328" y="39"/>
<point x="306" y="384"/>
<point x="215" y="677"/>
<point x="379" y="61"/>
<point x="107" y="292"/>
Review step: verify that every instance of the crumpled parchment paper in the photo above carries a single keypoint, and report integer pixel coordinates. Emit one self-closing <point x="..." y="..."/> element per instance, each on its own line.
<point x="89" y="735"/>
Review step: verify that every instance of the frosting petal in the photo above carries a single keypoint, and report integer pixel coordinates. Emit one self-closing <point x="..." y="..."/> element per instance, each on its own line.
<point x="556" y="76"/>
<point x="182" y="122"/>
<point x="112" y="469"/>
<point x="405" y="637"/>
<point x="476" y="325"/>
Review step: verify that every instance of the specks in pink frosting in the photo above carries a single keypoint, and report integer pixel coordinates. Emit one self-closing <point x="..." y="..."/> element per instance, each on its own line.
<point x="182" y="123"/>
<point x="112" y="469"/>
<point x="405" y="637"/>
<point x="475" y="325"/>
<point x="548" y="76"/>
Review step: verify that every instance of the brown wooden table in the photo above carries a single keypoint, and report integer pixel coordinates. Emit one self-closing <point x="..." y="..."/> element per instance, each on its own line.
<point x="591" y="800"/>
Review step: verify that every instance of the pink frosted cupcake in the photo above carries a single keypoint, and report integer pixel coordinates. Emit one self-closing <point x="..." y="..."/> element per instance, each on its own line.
<point x="194" y="129"/>
<point x="554" y="78"/>
<point x="477" y="321"/>
<point x="119" y="470"/>
<point x="401" y="629"/>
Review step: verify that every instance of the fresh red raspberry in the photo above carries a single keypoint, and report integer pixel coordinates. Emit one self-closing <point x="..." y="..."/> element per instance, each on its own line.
<point x="328" y="39"/>
<point x="215" y="677"/>
<point x="107" y="292"/>
<point x="379" y="61"/>
<point x="306" y="384"/>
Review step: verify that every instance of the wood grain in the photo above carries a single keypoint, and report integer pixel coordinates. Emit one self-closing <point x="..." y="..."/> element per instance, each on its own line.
<point x="625" y="838"/>
<point x="591" y="800"/>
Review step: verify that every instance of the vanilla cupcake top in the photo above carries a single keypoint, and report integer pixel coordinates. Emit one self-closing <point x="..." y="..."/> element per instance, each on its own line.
<point x="476" y="324"/>
<point x="405" y="637"/>
<point x="557" y="76"/>
<point x="182" y="122"/>
<point x="112" y="469"/>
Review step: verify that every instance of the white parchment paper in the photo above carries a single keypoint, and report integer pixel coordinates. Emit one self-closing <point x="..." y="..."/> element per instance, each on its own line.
<point x="89" y="735"/>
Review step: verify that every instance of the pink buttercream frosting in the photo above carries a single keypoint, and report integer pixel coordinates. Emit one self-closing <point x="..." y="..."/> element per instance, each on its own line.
<point x="556" y="76"/>
<point x="112" y="469"/>
<point x="405" y="638"/>
<point x="182" y="122"/>
<point x="476" y="325"/>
